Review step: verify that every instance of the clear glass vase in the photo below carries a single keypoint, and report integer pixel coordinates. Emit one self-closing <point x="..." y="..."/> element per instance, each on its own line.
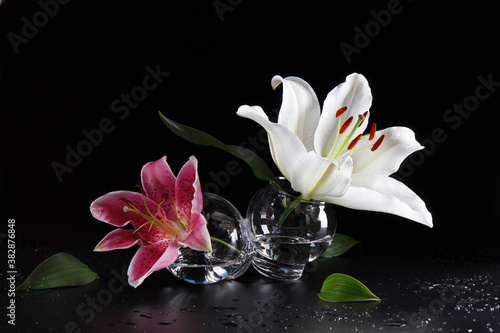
<point x="225" y="223"/>
<point x="288" y="232"/>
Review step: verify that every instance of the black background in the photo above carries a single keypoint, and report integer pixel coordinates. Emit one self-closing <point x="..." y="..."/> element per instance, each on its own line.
<point x="64" y="79"/>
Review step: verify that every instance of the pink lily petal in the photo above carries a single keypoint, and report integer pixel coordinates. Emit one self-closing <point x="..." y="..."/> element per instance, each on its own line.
<point x="149" y="259"/>
<point x="188" y="195"/>
<point x="117" y="239"/>
<point x="158" y="182"/>
<point x="198" y="238"/>
<point x="110" y="209"/>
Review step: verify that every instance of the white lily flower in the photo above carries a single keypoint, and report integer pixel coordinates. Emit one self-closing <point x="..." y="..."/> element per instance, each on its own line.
<point x="325" y="155"/>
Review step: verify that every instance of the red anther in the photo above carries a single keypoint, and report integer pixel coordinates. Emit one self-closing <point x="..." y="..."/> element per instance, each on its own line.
<point x="372" y="131"/>
<point x="140" y="188"/>
<point x="355" y="141"/>
<point x="364" y="117"/>
<point x="125" y="200"/>
<point x="341" y="111"/>
<point x="346" y="125"/>
<point x="378" y="143"/>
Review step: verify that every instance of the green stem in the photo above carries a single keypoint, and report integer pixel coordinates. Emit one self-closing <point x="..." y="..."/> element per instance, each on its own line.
<point x="289" y="209"/>
<point x="220" y="241"/>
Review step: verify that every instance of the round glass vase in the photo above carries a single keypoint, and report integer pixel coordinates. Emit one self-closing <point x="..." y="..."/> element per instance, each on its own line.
<point x="231" y="252"/>
<point x="288" y="232"/>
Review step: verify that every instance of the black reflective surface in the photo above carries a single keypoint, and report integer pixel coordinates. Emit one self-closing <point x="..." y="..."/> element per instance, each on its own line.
<point x="421" y="291"/>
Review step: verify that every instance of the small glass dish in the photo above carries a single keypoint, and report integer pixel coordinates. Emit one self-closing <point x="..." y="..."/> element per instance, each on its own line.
<point x="288" y="232"/>
<point x="231" y="249"/>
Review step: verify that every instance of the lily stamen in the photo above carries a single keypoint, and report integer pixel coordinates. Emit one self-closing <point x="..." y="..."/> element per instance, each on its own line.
<point x="377" y="144"/>
<point x="373" y="129"/>
<point x="140" y="189"/>
<point x="354" y="142"/>
<point x="345" y="142"/>
<point x="158" y="220"/>
<point x="346" y="125"/>
<point x="146" y="206"/>
<point x="142" y="225"/>
<point x="158" y="213"/>
<point x="341" y="111"/>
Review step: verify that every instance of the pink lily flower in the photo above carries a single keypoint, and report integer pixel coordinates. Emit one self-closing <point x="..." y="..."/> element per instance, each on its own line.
<point x="165" y="217"/>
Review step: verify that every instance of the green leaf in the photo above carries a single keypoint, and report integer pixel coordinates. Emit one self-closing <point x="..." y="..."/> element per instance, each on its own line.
<point x="340" y="244"/>
<point x="59" y="270"/>
<point x="344" y="288"/>
<point x="260" y="168"/>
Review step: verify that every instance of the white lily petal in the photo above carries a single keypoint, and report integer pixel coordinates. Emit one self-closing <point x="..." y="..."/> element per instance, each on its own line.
<point x="378" y="193"/>
<point x="286" y="147"/>
<point x="300" y="109"/>
<point x="316" y="177"/>
<point x="355" y="94"/>
<point x="399" y="142"/>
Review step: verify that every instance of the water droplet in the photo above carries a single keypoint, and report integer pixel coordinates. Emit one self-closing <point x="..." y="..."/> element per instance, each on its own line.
<point x="396" y="323"/>
<point x="165" y="323"/>
<point x="187" y="309"/>
<point x="216" y="307"/>
<point x="233" y="315"/>
<point x="230" y="323"/>
<point x="146" y="315"/>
